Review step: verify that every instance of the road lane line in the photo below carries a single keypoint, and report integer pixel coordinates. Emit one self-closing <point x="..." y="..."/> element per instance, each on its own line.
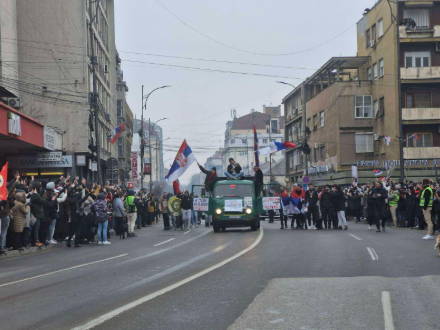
<point x="120" y="310"/>
<point x="358" y="238"/>
<point x="63" y="270"/>
<point x="372" y="254"/>
<point x="377" y="257"/>
<point x="186" y="232"/>
<point x="165" y="242"/>
<point x="387" y="311"/>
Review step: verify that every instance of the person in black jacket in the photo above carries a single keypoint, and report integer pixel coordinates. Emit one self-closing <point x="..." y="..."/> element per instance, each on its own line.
<point x="326" y="203"/>
<point x="75" y="200"/>
<point x="312" y="201"/>
<point x="339" y="204"/>
<point x="210" y="179"/>
<point x="380" y="194"/>
<point x="258" y="180"/>
<point x="371" y="213"/>
<point x="234" y="170"/>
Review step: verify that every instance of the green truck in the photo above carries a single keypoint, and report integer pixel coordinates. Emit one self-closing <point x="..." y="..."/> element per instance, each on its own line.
<point x="233" y="203"/>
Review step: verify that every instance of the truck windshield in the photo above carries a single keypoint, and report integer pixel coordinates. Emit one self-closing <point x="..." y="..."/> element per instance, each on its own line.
<point x="233" y="190"/>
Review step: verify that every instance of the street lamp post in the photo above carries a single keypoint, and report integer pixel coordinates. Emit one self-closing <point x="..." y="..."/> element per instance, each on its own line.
<point x="151" y="128"/>
<point x="142" y="130"/>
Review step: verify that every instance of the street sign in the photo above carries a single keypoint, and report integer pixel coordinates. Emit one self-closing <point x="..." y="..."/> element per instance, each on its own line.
<point x="305" y="186"/>
<point x="49" y="157"/>
<point x="112" y="163"/>
<point x="306" y="180"/>
<point x="130" y="185"/>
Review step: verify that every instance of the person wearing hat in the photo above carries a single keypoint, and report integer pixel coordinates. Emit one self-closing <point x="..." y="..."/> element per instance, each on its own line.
<point x="426" y="200"/>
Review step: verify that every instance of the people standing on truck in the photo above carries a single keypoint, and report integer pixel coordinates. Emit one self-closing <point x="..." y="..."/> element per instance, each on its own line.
<point x="234" y="170"/>
<point x="258" y="180"/>
<point x="210" y="179"/>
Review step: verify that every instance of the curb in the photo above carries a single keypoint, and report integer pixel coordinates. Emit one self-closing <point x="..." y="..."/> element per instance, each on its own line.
<point x="31" y="250"/>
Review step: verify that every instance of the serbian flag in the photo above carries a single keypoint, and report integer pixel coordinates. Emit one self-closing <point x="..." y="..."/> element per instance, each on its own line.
<point x="277" y="146"/>
<point x="377" y="172"/>
<point x="116" y="133"/>
<point x="183" y="160"/>
<point x="415" y="136"/>
<point x="3" y="181"/>
<point x="257" y="153"/>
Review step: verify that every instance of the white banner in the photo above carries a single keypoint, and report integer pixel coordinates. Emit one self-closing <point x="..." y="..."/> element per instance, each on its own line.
<point x="271" y="203"/>
<point x="234" y="205"/>
<point x="201" y="204"/>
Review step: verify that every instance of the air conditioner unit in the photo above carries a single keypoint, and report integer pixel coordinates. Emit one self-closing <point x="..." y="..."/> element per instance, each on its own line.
<point x="14" y="102"/>
<point x="376" y="137"/>
<point x="437" y="46"/>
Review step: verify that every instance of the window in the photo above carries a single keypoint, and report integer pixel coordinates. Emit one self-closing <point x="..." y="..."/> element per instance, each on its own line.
<point x="316" y="151"/>
<point x="373" y="32"/>
<point x="369" y="77"/>
<point x="367" y="35"/>
<point x="291" y="160"/>
<point x="420" y="16"/>
<point x="323" y="155"/>
<point x="363" y="106"/>
<point x="381" y="68"/>
<point x="119" y="103"/>
<point x="264" y="141"/>
<point x="382" y="107"/>
<point x="243" y="153"/>
<point x="322" y="115"/>
<point x="380" y="28"/>
<point x="299" y="129"/>
<point x="244" y="141"/>
<point x="364" y="142"/>
<point x="376" y="108"/>
<point x="418" y="100"/>
<point x="315" y="122"/>
<point x="232" y="141"/>
<point x="423" y="140"/>
<point x="119" y="112"/>
<point x="295" y="157"/>
<point x="375" y="71"/>
<point x="417" y="59"/>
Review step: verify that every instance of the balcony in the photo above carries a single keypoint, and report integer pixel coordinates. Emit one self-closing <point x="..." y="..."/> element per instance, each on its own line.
<point x="420" y="114"/>
<point x="430" y="72"/>
<point x="421" y="153"/>
<point x="419" y="35"/>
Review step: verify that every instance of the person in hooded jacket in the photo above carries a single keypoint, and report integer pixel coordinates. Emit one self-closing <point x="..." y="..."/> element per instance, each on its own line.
<point x="380" y="194"/>
<point x="38" y="202"/>
<point x="19" y="212"/>
<point x="339" y="205"/>
<point x="327" y="206"/>
<point x="118" y="213"/>
<point x="50" y="214"/>
<point x="99" y="208"/>
<point x="75" y="200"/>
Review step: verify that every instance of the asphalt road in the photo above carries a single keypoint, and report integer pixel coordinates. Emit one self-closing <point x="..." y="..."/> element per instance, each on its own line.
<point x="238" y="279"/>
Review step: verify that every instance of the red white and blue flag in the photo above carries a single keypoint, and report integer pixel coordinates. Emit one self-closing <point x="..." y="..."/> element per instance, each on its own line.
<point x="377" y="172"/>
<point x="415" y="136"/>
<point x="116" y="133"/>
<point x="257" y="153"/>
<point x="277" y="146"/>
<point x="183" y="160"/>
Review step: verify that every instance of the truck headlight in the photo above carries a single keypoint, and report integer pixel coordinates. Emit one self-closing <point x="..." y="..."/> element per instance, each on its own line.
<point x="218" y="211"/>
<point x="248" y="211"/>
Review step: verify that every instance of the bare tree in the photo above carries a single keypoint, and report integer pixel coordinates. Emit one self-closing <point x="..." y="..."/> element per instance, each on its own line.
<point x="33" y="110"/>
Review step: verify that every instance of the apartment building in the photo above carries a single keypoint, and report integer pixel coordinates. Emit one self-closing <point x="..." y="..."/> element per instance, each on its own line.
<point x="46" y="70"/>
<point x="418" y="24"/>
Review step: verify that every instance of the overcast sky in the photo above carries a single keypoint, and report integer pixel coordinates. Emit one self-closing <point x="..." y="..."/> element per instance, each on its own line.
<point x="199" y="102"/>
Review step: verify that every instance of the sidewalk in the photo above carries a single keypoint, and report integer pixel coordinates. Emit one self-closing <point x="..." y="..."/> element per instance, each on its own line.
<point x="31" y="250"/>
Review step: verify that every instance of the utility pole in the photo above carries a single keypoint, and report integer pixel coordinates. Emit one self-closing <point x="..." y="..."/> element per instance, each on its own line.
<point x="142" y="140"/>
<point x="149" y="155"/>
<point x="270" y="155"/>
<point x="94" y="94"/>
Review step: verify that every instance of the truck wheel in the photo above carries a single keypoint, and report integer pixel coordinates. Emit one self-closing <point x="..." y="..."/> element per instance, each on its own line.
<point x="216" y="227"/>
<point x="254" y="225"/>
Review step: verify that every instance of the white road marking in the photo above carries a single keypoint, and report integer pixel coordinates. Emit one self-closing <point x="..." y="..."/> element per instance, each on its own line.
<point x="373" y="253"/>
<point x="120" y="310"/>
<point x="358" y="238"/>
<point x="165" y="242"/>
<point x="387" y="311"/>
<point x="186" y="232"/>
<point x="63" y="270"/>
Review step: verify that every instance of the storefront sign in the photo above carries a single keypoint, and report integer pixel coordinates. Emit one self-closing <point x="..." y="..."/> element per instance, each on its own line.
<point x="81" y="160"/>
<point x="50" y="156"/>
<point x="130" y="185"/>
<point x="33" y="162"/>
<point x="234" y="205"/>
<point x="134" y="165"/>
<point x="14" y="124"/>
<point x="271" y="203"/>
<point x="395" y="163"/>
<point x="49" y="138"/>
<point x="147" y="169"/>
<point x="201" y="204"/>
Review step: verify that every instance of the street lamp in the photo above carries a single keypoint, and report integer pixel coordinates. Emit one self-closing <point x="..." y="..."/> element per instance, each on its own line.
<point x="284" y="83"/>
<point x="145" y="97"/>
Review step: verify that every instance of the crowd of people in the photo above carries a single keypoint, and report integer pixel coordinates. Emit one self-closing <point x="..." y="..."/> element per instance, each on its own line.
<point x="38" y="213"/>
<point x="406" y="205"/>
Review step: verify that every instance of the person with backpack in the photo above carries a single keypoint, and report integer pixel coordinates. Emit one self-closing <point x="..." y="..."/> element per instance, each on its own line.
<point x="130" y="206"/>
<point x="99" y="208"/>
